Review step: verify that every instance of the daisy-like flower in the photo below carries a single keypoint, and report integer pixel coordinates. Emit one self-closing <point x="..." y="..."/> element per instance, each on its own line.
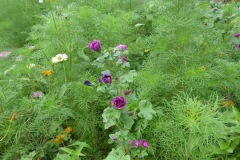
<point x="47" y="72"/>
<point x="59" y="58"/>
<point x="31" y="65"/>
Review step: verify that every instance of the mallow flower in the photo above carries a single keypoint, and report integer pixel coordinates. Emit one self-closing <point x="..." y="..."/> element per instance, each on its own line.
<point x="144" y="143"/>
<point x="237" y="35"/>
<point x="95" y="46"/>
<point x="127" y="92"/>
<point x="37" y="94"/>
<point x="135" y="143"/>
<point x="119" y="102"/>
<point x="120" y="47"/>
<point x="107" y="78"/>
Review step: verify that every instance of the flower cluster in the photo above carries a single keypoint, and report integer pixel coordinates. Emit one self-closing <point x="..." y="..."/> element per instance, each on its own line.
<point x="141" y="142"/>
<point x="59" y="138"/>
<point x="59" y="58"/>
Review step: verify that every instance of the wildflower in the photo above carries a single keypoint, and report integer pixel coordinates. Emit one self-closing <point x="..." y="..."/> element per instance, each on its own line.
<point x="107" y="78"/>
<point x="5" y="54"/>
<point x="40" y="1"/>
<point x="61" y="136"/>
<point x="68" y="129"/>
<point x="57" y="140"/>
<point x="32" y="47"/>
<point x="229" y="103"/>
<point x="131" y="114"/>
<point x="120" y="47"/>
<point x="31" y="65"/>
<point x="127" y="92"/>
<point x="95" y="46"/>
<point x="144" y="143"/>
<point x="146" y="51"/>
<point x="37" y="94"/>
<point x="13" y="117"/>
<point x="114" y="138"/>
<point x="59" y="58"/>
<point x="203" y="68"/>
<point x="237" y="35"/>
<point x="239" y="46"/>
<point x="135" y="143"/>
<point x="119" y="102"/>
<point x="124" y="58"/>
<point x="19" y="58"/>
<point x="47" y="72"/>
<point x="88" y="83"/>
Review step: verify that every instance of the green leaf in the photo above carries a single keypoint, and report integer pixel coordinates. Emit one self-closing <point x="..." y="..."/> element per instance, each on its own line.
<point x="128" y="77"/>
<point x="62" y="157"/>
<point x="65" y="149"/>
<point x="109" y="116"/>
<point x="146" y="110"/>
<point x="62" y="90"/>
<point x="127" y="120"/>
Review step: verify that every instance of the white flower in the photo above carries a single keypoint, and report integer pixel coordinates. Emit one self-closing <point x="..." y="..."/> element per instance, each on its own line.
<point x="31" y="65"/>
<point x="59" y="58"/>
<point x="40" y="1"/>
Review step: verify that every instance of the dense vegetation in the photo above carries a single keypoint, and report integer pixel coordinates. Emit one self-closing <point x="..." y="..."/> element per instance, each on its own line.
<point x="119" y="80"/>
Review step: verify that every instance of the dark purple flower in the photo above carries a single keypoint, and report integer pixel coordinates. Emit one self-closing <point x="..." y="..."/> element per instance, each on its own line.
<point x="114" y="138"/>
<point x="144" y="143"/>
<point x="121" y="47"/>
<point x="37" y="94"/>
<point x="131" y="114"/>
<point x="124" y="58"/>
<point x="237" y="35"/>
<point x="239" y="46"/>
<point x="95" y="45"/>
<point x="107" y="78"/>
<point x="88" y="83"/>
<point x="127" y="92"/>
<point x="135" y="143"/>
<point x="119" y="102"/>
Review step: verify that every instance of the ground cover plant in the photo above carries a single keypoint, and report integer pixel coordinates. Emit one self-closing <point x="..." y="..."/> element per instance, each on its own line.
<point x="120" y="80"/>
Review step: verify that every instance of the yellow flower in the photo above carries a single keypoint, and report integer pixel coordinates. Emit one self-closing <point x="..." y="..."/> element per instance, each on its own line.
<point x="68" y="129"/>
<point x="47" y="72"/>
<point x="229" y="103"/>
<point x="13" y="117"/>
<point x="146" y="51"/>
<point x="61" y="136"/>
<point x="203" y="68"/>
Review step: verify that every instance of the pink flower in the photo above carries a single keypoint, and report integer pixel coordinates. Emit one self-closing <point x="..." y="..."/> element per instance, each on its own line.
<point x="95" y="45"/>
<point x="5" y="54"/>
<point x="37" y="94"/>
<point x="135" y="143"/>
<point x="120" y="47"/>
<point x="239" y="46"/>
<point x="144" y="143"/>
<point x="127" y="92"/>
<point x="119" y="102"/>
<point x="124" y="58"/>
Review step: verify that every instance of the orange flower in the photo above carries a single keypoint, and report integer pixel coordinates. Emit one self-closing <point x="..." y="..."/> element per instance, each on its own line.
<point x="228" y="103"/>
<point x="47" y="72"/>
<point x="38" y="158"/>
<point x="57" y="140"/>
<point x="13" y="117"/>
<point x="68" y="129"/>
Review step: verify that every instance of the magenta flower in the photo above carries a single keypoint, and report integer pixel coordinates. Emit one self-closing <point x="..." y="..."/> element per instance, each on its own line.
<point x="95" y="45"/>
<point x="127" y="92"/>
<point x="237" y="35"/>
<point x="135" y="143"/>
<point x="144" y="143"/>
<point x="107" y="78"/>
<point x="114" y="138"/>
<point x="239" y="46"/>
<point x="119" y="102"/>
<point x="124" y="58"/>
<point x="120" y="47"/>
<point x="37" y="94"/>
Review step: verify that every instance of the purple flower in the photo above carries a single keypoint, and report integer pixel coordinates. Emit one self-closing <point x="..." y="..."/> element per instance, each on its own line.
<point x="95" y="45"/>
<point x="237" y="35"/>
<point x="114" y="138"/>
<point x="124" y="58"/>
<point x="120" y="47"/>
<point x="107" y="78"/>
<point x="37" y="94"/>
<point x="239" y="46"/>
<point x="135" y="143"/>
<point x="131" y="114"/>
<point x="88" y="83"/>
<point x="144" y="143"/>
<point x="119" y="102"/>
<point x="127" y="92"/>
